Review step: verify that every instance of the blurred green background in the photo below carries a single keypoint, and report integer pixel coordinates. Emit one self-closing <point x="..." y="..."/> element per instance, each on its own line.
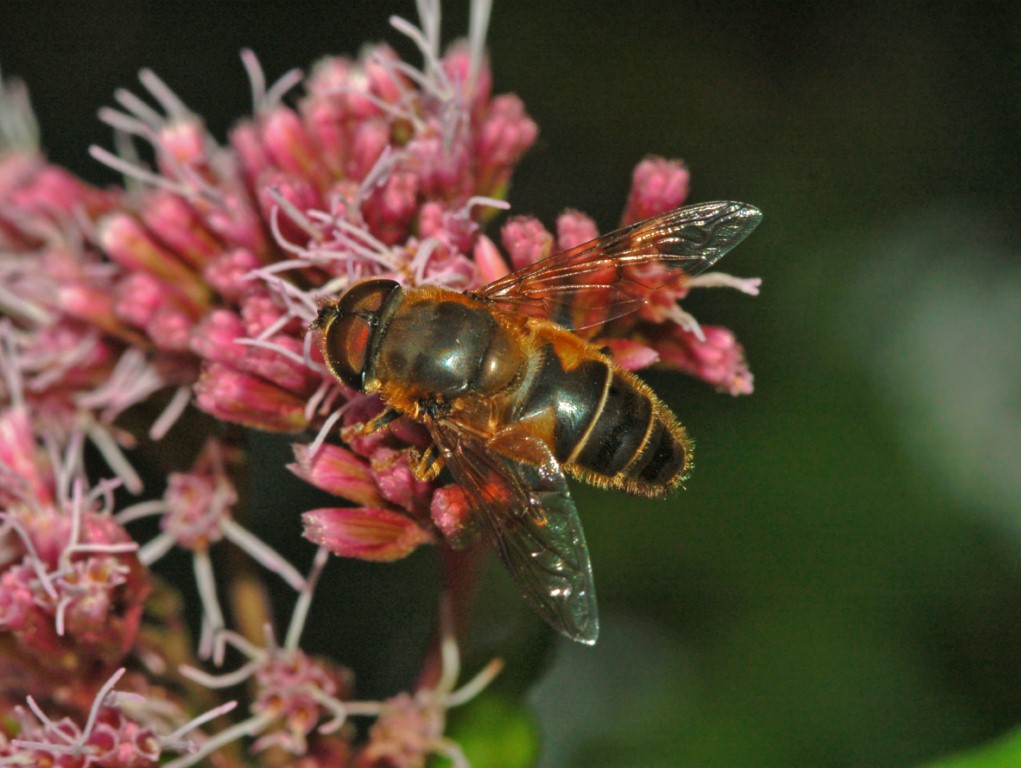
<point x="840" y="584"/>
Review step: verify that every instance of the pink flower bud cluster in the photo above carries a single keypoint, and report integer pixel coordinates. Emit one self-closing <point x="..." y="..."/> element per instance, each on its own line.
<point x="72" y="596"/>
<point x="196" y="285"/>
<point x="55" y="288"/>
<point x="380" y="169"/>
<point x="72" y="589"/>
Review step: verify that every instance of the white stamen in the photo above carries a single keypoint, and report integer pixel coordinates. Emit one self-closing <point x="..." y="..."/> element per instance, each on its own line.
<point x="425" y="251"/>
<point x="291" y="355"/>
<point x="114" y="457"/>
<point x="177" y="405"/>
<point x="262" y="553"/>
<point x="205" y="580"/>
<point x="126" y="123"/>
<point x="33" y="556"/>
<point x="140" y="510"/>
<point x="412" y="32"/>
<point x="304" y="602"/>
<point x="391" y="109"/>
<point x="256" y="79"/>
<point x="334" y="286"/>
<point x="284" y="83"/>
<point x="133" y="171"/>
<point x="338" y="708"/>
<point x="9" y="364"/>
<point x="248" y="727"/>
<point x="476" y="685"/>
<point x="687" y="321"/>
<point x="263" y="99"/>
<point x="99" y="700"/>
<point x="225" y="680"/>
<point x="156" y="548"/>
<point x="172" y="105"/>
<point x="748" y="285"/>
<point x="103" y="492"/>
<point x="482" y="200"/>
<point x="295" y="215"/>
<point x="324" y="431"/>
<point x="197" y="722"/>
<point x="450" y="657"/>
<point x="312" y="404"/>
<point x="139" y="108"/>
<point x="478" y="27"/>
<point x="274" y="328"/>
<point x="12" y="304"/>
<point x="19" y="131"/>
<point x="378" y="174"/>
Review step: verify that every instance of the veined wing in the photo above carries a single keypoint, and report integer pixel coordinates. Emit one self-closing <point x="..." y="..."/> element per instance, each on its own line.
<point x="614" y="274"/>
<point x="516" y="486"/>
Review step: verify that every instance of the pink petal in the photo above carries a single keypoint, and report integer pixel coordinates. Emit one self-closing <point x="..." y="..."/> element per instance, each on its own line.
<point x="630" y="354"/>
<point x="368" y="533"/>
<point x="488" y="260"/>
<point x="337" y="471"/>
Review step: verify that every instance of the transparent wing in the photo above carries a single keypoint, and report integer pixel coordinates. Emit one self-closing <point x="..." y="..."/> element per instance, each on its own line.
<point x="518" y="489"/>
<point x="613" y="275"/>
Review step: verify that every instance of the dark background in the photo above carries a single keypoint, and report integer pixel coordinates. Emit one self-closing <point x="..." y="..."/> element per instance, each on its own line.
<point x="840" y="583"/>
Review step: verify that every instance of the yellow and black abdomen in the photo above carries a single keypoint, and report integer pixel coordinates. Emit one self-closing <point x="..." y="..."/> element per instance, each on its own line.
<point x="607" y="426"/>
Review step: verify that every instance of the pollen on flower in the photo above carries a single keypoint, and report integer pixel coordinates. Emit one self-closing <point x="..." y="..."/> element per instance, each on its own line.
<point x="293" y="689"/>
<point x="196" y="512"/>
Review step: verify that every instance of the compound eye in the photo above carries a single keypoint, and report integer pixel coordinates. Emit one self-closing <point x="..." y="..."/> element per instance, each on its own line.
<point x="348" y="327"/>
<point x="366" y="297"/>
<point x="345" y="346"/>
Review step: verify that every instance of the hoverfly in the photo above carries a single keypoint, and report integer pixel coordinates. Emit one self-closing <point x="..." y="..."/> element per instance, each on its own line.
<point x="514" y="398"/>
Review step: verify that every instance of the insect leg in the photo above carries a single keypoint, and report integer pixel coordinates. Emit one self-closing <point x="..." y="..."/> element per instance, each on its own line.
<point x="427" y="465"/>
<point x="381" y="421"/>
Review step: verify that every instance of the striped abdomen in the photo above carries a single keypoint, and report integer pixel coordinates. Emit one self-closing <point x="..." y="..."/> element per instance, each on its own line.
<point x="607" y="426"/>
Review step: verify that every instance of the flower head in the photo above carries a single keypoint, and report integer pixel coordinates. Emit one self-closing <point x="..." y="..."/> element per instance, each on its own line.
<point x="380" y="169"/>
<point x="73" y="589"/>
<point x="410" y="727"/>
<point x="122" y="729"/>
<point x="218" y="260"/>
<point x="197" y="285"/>
<point x="67" y="355"/>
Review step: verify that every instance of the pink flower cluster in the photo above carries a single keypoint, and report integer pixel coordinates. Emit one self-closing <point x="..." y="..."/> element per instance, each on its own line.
<point x="72" y="589"/>
<point x="194" y="287"/>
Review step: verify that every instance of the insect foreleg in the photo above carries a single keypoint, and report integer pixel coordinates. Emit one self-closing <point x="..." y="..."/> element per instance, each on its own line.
<point x="382" y="420"/>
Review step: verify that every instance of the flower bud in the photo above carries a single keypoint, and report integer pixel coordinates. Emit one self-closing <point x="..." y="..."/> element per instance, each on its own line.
<point x="368" y="533"/>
